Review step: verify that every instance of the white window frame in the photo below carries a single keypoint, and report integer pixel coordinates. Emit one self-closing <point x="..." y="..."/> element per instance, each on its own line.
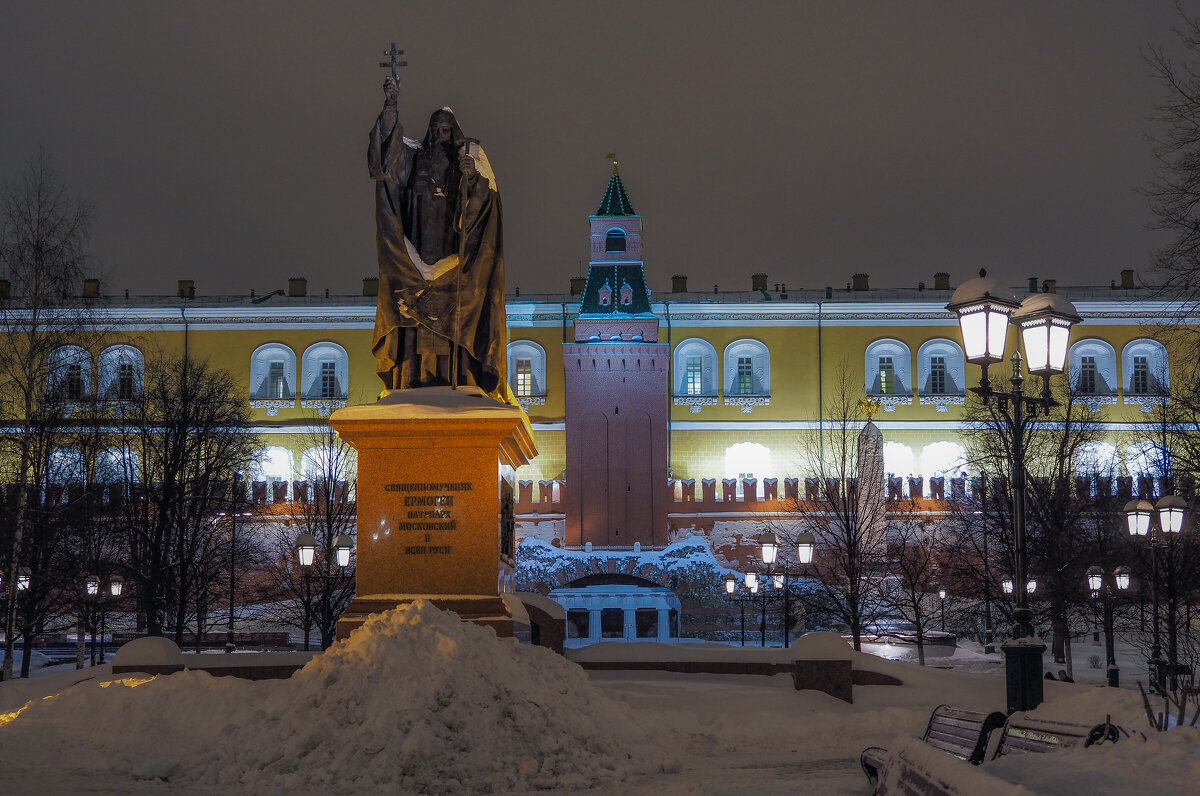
<point x="901" y="370"/>
<point x="1159" y="368"/>
<point x="760" y="357"/>
<point x="260" y="369"/>
<point x="956" y="363"/>
<point x="1106" y="370"/>
<point x="310" y="376"/>
<point x="110" y="361"/>
<point x="528" y="349"/>
<point x="60" y="360"/>
<point x="695" y="347"/>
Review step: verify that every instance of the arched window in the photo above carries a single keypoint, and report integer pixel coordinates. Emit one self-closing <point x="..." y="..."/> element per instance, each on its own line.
<point x="324" y="374"/>
<point x="888" y="373"/>
<point x="527" y="372"/>
<point x="66" y="466"/>
<point x="70" y="373"/>
<point x="940" y="366"/>
<point x="614" y="241"/>
<point x="695" y="374"/>
<point x="897" y="459"/>
<point x="1092" y="368"/>
<point x="747" y="375"/>
<point x="1144" y="372"/>
<point x="274" y="465"/>
<point x="273" y="377"/>
<point x="121" y="370"/>
<point x="943" y="459"/>
<point x="328" y="463"/>
<point x="116" y="466"/>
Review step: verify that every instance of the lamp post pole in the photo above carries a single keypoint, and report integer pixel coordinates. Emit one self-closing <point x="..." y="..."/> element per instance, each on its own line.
<point x="237" y="483"/>
<point x="1160" y="523"/>
<point x="985" y="308"/>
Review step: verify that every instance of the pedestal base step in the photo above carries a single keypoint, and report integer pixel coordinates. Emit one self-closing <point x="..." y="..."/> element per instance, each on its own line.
<point x="480" y="609"/>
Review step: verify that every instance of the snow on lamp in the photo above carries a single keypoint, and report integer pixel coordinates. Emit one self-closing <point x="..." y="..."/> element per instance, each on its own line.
<point x="1138" y="514"/>
<point x="1170" y="513"/>
<point x="1045" y="320"/>
<point x="306" y="549"/>
<point x="806" y="543"/>
<point x="983" y="306"/>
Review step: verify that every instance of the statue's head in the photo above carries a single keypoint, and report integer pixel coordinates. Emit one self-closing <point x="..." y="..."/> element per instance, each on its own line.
<point x="443" y="128"/>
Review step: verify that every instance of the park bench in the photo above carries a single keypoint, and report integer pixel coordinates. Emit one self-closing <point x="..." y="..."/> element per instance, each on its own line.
<point x="1023" y="734"/>
<point x="904" y="772"/>
<point x="962" y="733"/>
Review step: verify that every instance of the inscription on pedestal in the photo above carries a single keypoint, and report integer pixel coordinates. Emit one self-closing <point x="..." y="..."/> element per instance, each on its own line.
<point x="428" y="507"/>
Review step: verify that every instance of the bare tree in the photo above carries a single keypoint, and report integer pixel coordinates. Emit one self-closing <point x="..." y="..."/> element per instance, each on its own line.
<point x="914" y="553"/>
<point x="847" y="515"/>
<point x="188" y="435"/>
<point x="315" y="596"/>
<point x="43" y="231"/>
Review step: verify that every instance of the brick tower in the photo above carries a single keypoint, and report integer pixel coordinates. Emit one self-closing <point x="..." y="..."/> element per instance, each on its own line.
<point x="616" y="392"/>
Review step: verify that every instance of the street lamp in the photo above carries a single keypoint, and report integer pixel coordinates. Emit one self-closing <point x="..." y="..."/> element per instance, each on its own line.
<point x="338" y="552"/>
<point x="233" y="520"/>
<point x="24" y="578"/>
<point x="342" y="547"/>
<point x="94" y="589"/>
<point x="942" y="597"/>
<point x="1104" y="592"/>
<point x="985" y="308"/>
<point x="1140" y="517"/>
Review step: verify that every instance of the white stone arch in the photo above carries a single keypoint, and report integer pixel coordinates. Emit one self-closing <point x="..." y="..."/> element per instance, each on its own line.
<point x="536" y="355"/>
<point x="324" y="461"/>
<point x="66" y="466"/>
<point x="900" y="390"/>
<point x="943" y="459"/>
<point x="955" y="386"/>
<point x="317" y="391"/>
<point x="897" y="459"/>
<point x="1097" y="457"/>
<point x="1106" y="369"/>
<point x="1158" y="376"/>
<point x="111" y="361"/>
<point x="760" y="370"/>
<point x="688" y="349"/>
<point x="274" y="463"/>
<point x="117" y="465"/>
<point x="66" y="361"/>
<point x="748" y="460"/>
<point x="264" y="392"/>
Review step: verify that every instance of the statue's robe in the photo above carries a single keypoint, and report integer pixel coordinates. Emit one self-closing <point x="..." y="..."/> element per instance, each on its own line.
<point x="429" y="298"/>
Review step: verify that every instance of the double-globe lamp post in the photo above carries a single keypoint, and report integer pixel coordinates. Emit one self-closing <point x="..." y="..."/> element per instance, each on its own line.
<point x="779" y="573"/>
<point x="1140" y="516"/>
<point x="986" y="308"/>
<point x="306" y="553"/>
<point x="92" y="588"/>
<point x="1102" y="590"/>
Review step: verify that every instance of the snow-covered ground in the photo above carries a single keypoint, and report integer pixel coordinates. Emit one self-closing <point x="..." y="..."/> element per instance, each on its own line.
<point x="420" y="702"/>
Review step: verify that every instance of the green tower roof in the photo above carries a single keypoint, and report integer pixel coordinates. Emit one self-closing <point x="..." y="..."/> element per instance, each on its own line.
<point x="616" y="201"/>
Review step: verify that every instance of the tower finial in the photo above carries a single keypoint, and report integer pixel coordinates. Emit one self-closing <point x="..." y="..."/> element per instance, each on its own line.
<point x="613" y="157"/>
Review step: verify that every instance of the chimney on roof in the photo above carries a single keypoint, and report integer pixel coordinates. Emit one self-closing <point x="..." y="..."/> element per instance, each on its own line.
<point x="1127" y="279"/>
<point x="91" y="288"/>
<point x="1050" y="286"/>
<point x="758" y="282"/>
<point x="859" y="281"/>
<point x="578" y="283"/>
<point x="371" y="286"/>
<point x="941" y="281"/>
<point x="297" y="287"/>
<point x="679" y="283"/>
<point x="1033" y="284"/>
<point x="187" y="289"/>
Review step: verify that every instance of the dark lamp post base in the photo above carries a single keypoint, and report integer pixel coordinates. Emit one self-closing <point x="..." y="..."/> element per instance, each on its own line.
<point x="1114" y="676"/>
<point x="1023" y="673"/>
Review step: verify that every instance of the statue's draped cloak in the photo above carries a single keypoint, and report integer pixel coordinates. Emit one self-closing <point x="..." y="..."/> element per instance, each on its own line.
<point x="415" y="318"/>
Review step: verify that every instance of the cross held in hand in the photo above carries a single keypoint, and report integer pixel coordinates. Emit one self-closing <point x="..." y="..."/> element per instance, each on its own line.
<point x="392" y="62"/>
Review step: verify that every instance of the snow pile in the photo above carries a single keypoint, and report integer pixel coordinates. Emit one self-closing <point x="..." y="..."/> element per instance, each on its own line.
<point x="415" y="700"/>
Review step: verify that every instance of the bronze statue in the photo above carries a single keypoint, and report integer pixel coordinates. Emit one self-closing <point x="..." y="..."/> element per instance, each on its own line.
<point x="440" y="315"/>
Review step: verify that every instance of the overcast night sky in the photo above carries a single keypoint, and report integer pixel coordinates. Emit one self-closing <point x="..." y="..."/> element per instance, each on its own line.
<point x="225" y="142"/>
